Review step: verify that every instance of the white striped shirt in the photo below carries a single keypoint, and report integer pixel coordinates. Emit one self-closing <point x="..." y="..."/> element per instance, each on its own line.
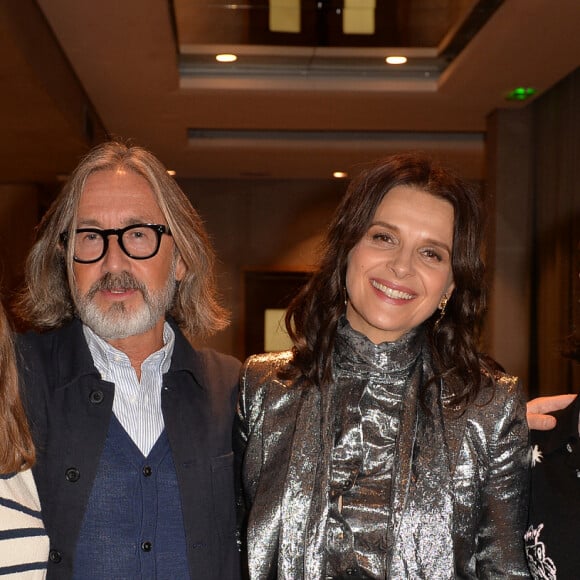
<point x="137" y="405"/>
<point x="23" y="541"/>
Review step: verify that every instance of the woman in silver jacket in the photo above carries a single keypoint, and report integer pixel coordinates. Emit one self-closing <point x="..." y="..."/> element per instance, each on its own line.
<point x="383" y="445"/>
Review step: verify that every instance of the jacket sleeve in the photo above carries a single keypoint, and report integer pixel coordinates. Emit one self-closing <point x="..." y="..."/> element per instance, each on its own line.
<point x="32" y="388"/>
<point x="240" y="440"/>
<point x="241" y="433"/>
<point x="256" y="374"/>
<point x="500" y="547"/>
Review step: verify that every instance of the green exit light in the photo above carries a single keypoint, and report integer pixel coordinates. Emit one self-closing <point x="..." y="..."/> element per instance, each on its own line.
<point x="520" y="94"/>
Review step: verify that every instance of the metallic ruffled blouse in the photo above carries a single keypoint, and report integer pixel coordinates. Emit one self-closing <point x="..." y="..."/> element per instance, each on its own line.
<point x="372" y="381"/>
<point x="376" y="476"/>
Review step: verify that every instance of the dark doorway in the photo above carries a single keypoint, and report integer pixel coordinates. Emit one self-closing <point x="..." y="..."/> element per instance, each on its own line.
<point x="267" y="295"/>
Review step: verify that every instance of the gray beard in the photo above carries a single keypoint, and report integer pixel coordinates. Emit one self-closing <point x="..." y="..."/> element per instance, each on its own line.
<point x="117" y="322"/>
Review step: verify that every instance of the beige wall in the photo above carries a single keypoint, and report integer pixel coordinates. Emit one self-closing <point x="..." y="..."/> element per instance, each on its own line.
<point x="510" y="200"/>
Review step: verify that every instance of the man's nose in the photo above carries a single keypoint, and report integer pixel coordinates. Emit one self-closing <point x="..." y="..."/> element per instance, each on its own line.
<point x="115" y="258"/>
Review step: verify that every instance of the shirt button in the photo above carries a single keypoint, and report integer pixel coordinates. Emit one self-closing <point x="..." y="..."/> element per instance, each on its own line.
<point x="72" y="474"/>
<point x="55" y="556"/>
<point x="146" y="546"/>
<point x="147" y="471"/>
<point x="569" y="448"/>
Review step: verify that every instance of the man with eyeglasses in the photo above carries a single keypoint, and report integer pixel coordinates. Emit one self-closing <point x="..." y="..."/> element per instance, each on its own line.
<point x="132" y="424"/>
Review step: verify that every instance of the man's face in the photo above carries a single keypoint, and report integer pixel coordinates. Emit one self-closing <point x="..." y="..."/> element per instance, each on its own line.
<point x="118" y="296"/>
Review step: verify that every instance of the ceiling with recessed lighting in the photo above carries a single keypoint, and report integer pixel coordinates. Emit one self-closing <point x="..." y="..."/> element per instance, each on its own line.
<point x="332" y="23"/>
<point x="300" y="102"/>
<point x="317" y="38"/>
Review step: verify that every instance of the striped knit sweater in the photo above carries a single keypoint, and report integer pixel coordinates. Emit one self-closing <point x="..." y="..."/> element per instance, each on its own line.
<point x="23" y="540"/>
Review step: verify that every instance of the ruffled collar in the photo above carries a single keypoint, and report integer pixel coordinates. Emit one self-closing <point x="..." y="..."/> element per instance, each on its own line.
<point x="355" y="352"/>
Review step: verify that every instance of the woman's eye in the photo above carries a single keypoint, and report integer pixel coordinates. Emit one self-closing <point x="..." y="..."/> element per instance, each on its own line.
<point x="432" y="255"/>
<point x="382" y="237"/>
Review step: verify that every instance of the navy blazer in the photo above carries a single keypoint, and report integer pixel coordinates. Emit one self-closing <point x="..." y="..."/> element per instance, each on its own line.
<point x="69" y="409"/>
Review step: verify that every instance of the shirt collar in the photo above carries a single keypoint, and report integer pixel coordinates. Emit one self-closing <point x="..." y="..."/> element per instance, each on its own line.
<point x="105" y="355"/>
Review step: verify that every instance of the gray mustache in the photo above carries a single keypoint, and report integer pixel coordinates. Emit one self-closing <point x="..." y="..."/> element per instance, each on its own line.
<point x="112" y="281"/>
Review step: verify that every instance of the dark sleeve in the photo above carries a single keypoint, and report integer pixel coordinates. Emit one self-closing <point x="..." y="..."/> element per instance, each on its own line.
<point x="33" y="379"/>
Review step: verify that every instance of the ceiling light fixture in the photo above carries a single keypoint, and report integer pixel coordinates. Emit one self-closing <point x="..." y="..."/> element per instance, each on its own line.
<point x="339" y="174"/>
<point x="396" y="59"/>
<point x="171" y="172"/>
<point x="225" y="57"/>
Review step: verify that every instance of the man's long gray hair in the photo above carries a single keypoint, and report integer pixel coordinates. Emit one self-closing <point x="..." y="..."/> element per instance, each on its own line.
<point x="46" y="301"/>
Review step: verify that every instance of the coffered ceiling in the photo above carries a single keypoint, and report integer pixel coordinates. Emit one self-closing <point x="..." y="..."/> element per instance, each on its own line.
<point x="294" y="105"/>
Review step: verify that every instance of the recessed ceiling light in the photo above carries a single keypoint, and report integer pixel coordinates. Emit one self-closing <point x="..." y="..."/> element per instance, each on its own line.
<point x="396" y="59"/>
<point x="171" y="172"/>
<point x="226" y="57"/>
<point x="339" y="174"/>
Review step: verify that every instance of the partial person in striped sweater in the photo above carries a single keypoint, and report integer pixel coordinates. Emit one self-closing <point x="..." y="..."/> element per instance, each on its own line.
<point x="23" y="540"/>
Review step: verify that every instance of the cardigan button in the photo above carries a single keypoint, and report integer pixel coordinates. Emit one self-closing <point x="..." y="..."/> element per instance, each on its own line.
<point x="96" y="397"/>
<point x="72" y="474"/>
<point x="146" y="546"/>
<point x="55" y="556"/>
<point x="147" y="471"/>
<point x="350" y="571"/>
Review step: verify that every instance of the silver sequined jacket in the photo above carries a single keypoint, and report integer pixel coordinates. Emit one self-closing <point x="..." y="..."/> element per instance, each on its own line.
<point x="464" y="521"/>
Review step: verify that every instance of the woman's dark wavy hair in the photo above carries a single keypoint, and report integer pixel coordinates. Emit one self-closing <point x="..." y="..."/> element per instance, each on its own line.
<point x="313" y="316"/>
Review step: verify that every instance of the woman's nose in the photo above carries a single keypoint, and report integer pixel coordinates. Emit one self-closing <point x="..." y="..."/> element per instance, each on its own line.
<point x="401" y="263"/>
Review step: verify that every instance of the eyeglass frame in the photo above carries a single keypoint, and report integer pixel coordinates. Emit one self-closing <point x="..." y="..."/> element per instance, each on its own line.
<point x="159" y="229"/>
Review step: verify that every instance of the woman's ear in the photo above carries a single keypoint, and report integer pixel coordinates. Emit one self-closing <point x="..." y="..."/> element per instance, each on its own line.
<point x="450" y="289"/>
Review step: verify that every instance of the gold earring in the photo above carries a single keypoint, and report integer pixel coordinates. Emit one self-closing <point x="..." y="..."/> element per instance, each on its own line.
<point x="442" y="306"/>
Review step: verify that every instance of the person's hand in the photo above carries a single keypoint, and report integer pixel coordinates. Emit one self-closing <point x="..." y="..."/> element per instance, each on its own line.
<point x="538" y="407"/>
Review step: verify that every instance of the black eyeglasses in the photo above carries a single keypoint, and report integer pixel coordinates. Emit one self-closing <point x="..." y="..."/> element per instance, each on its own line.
<point x="139" y="241"/>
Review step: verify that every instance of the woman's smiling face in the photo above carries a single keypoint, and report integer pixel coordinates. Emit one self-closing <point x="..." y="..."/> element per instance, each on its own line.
<point x="400" y="269"/>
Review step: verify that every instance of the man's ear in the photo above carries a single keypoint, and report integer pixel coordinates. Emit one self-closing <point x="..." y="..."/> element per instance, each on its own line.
<point x="180" y="268"/>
